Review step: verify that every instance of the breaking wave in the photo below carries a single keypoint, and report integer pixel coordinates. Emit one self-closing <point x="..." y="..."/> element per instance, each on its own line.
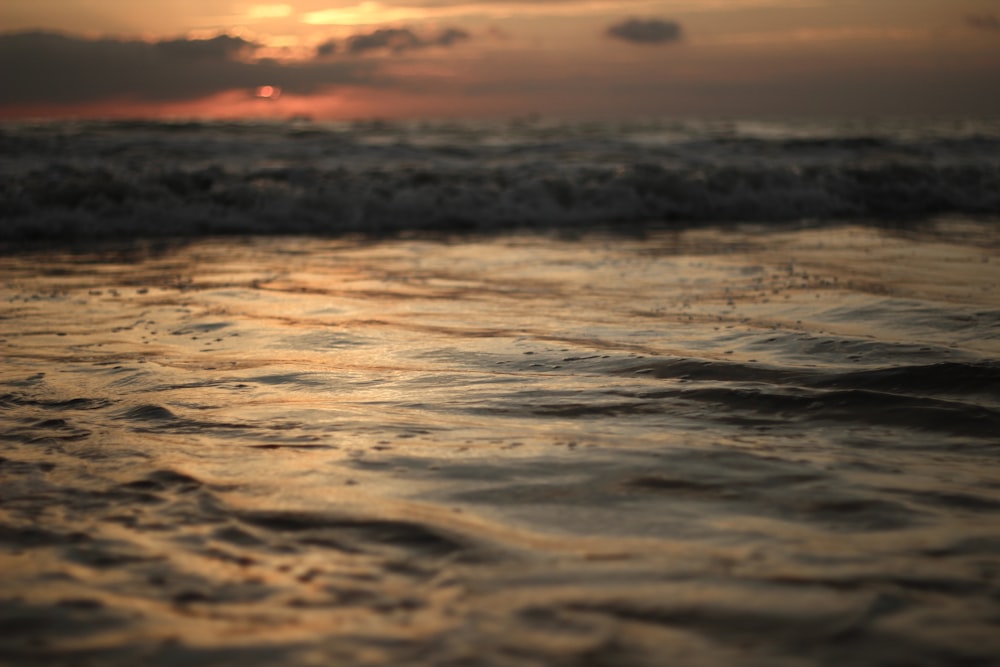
<point x="154" y="179"/>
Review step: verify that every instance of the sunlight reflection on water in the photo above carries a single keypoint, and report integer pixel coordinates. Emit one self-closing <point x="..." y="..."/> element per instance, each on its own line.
<point x="720" y="446"/>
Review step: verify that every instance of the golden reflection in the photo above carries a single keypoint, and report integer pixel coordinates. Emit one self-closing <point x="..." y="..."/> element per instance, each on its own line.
<point x="329" y="452"/>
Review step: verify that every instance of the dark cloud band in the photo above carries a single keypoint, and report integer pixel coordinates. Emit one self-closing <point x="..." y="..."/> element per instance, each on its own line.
<point x="402" y="39"/>
<point x="51" y="68"/>
<point x="983" y="21"/>
<point x="646" y="31"/>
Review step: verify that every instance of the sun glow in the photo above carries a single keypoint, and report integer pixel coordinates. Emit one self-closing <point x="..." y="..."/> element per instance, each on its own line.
<point x="269" y="11"/>
<point x="371" y="12"/>
<point x="364" y="13"/>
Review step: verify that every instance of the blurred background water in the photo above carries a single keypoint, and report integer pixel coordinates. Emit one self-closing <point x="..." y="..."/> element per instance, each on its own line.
<point x="140" y="178"/>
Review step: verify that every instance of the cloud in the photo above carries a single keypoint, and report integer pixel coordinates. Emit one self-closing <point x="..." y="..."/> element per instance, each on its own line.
<point x="326" y="49"/>
<point x="394" y="39"/>
<point x="646" y="31"/>
<point x="983" y="22"/>
<point x="223" y="47"/>
<point x="398" y="40"/>
<point x="64" y="69"/>
<point x="451" y="36"/>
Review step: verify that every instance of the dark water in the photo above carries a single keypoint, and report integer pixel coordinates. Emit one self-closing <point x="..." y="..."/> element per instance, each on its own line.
<point x="714" y="447"/>
<point x="143" y="178"/>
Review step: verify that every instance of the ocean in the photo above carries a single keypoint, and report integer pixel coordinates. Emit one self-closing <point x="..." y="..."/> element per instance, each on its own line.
<point x="527" y="392"/>
<point x="122" y="179"/>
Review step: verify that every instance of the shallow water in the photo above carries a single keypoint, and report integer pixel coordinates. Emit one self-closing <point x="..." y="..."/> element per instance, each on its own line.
<point x="718" y="446"/>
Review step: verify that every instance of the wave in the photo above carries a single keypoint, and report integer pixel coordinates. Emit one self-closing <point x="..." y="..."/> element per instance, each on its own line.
<point x="151" y="179"/>
<point x="63" y="201"/>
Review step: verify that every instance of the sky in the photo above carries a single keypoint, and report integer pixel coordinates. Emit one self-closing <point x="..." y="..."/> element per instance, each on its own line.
<point x="439" y="59"/>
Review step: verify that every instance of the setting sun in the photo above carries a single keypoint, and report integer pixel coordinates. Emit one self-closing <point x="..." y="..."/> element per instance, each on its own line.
<point x="269" y="92"/>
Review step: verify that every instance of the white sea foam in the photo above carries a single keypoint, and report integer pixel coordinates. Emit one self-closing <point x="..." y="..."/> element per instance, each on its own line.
<point x="149" y="178"/>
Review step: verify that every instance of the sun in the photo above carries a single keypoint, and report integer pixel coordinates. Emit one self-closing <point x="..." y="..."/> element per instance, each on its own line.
<point x="268" y="92"/>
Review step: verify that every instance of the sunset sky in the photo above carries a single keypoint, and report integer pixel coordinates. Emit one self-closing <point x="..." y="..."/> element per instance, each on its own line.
<point x="497" y="58"/>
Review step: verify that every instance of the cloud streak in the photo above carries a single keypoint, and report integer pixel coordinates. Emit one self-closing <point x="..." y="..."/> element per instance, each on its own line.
<point x="983" y="22"/>
<point x="373" y="12"/>
<point x="398" y="40"/>
<point x="220" y="48"/>
<point x="370" y="12"/>
<point x="646" y="31"/>
<point x="327" y="49"/>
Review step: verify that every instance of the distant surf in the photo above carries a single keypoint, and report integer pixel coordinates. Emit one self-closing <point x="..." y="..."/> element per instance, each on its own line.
<point x="125" y="179"/>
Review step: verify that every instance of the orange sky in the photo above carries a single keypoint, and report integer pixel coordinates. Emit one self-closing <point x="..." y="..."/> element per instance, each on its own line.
<point x="475" y="58"/>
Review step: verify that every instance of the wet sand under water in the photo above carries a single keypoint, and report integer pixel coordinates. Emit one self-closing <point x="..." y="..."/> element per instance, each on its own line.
<point x="713" y="447"/>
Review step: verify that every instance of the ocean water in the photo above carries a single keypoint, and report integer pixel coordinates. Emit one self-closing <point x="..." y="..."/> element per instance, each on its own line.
<point x="528" y="393"/>
<point x="119" y="179"/>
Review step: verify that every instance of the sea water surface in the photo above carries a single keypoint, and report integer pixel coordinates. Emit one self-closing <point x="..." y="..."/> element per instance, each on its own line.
<point x="643" y="444"/>
<point x="140" y="178"/>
